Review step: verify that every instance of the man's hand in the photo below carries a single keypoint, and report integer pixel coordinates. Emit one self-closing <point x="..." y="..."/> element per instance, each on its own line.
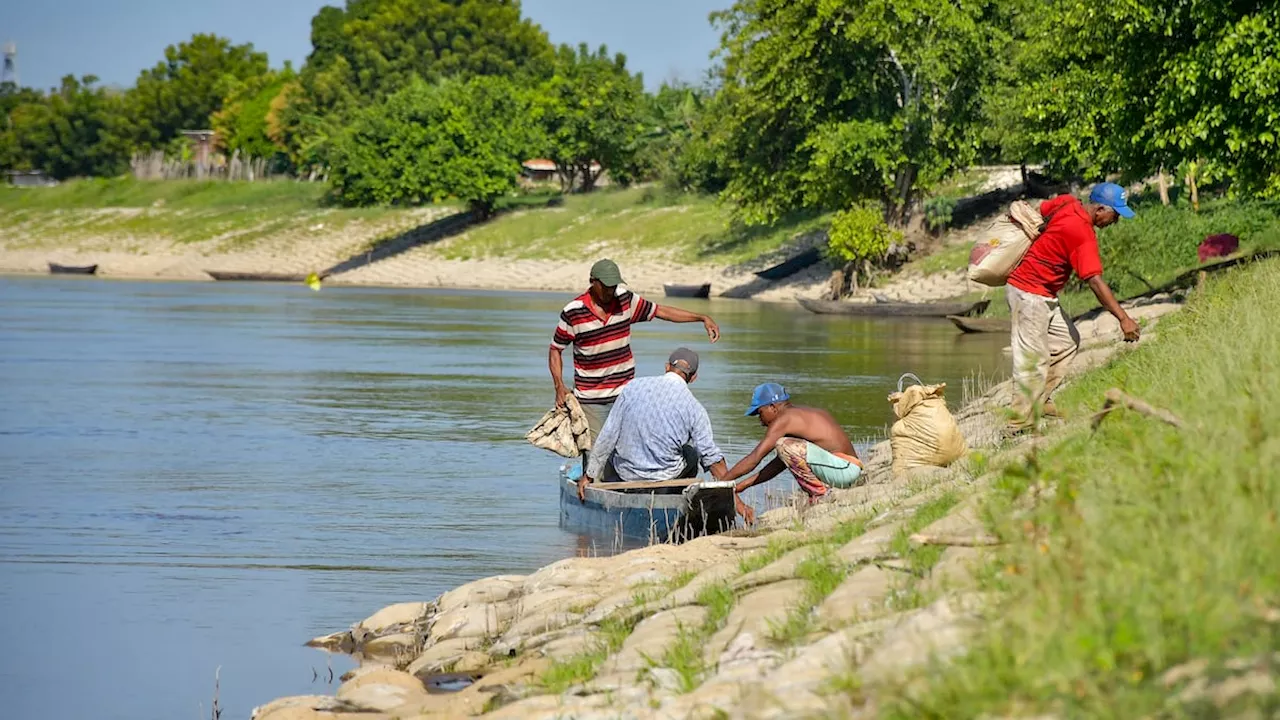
<point x="713" y="330"/>
<point x="582" y="488"/>
<point x="562" y="394"/>
<point x="746" y="511"/>
<point x="1130" y="329"/>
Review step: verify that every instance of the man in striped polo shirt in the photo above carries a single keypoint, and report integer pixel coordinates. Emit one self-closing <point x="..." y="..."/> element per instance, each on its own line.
<point x="598" y="325"/>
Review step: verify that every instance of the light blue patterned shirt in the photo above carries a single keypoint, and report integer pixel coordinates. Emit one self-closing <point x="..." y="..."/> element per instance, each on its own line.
<point x="652" y="419"/>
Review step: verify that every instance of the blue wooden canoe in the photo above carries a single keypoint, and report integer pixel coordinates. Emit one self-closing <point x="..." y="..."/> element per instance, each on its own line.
<point x="671" y="511"/>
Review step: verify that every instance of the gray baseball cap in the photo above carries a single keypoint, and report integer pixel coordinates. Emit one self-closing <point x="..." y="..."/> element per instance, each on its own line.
<point x="685" y="360"/>
<point x="606" y="271"/>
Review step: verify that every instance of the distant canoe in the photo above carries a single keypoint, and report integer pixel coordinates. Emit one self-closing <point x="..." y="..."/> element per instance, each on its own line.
<point x="792" y="266"/>
<point x="675" y="510"/>
<point x="57" y="269"/>
<point x="892" y="309"/>
<point x="689" y="291"/>
<point x="255" y="277"/>
<point x="980" y="324"/>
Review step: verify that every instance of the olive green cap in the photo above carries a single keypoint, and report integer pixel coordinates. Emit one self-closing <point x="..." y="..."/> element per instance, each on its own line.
<point x="606" y="271"/>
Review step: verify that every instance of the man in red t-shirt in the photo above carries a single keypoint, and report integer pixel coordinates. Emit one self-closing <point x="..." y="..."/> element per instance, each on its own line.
<point x="597" y="324"/>
<point x="1044" y="339"/>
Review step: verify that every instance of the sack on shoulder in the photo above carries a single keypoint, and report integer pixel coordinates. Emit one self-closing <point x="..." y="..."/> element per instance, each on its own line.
<point x="1007" y="241"/>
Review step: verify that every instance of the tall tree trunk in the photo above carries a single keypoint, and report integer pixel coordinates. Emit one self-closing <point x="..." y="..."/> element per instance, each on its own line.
<point x="1163" y="181"/>
<point x="588" y="179"/>
<point x="900" y="204"/>
<point x="1191" y="186"/>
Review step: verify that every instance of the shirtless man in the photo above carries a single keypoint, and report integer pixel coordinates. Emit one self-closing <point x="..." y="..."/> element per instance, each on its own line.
<point x="809" y="442"/>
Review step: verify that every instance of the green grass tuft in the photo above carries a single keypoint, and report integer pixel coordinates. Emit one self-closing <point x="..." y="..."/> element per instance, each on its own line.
<point x="580" y="668"/>
<point x="776" y="548"/>
<point x="718" y="599"/>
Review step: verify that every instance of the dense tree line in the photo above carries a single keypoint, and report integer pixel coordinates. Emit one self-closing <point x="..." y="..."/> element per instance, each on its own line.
<point x="833" y="104"/>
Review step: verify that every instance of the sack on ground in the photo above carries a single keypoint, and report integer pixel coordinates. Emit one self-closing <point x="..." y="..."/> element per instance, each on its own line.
<point x="563" y="430"/>
<point x="1006" y="241"/>
<point x="925" y="433"/>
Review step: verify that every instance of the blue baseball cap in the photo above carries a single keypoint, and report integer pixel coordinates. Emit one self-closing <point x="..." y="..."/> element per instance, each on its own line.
<point x="1113" y="196"/>
<point x="766" y="394"/>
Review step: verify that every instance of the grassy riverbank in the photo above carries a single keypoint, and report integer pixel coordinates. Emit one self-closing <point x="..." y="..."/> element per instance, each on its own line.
<point x="1144" y="546"/>
<point x="635" y="221"/>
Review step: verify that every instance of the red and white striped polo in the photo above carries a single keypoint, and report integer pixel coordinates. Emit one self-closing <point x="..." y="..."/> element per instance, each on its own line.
<point x="602" y="359"/>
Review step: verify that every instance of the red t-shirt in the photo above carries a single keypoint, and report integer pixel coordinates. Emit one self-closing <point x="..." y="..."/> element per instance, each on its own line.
<point x="1068" y="243"/>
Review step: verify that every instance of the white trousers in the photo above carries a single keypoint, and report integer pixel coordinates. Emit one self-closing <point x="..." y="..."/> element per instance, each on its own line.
<point x="1044" y="341"/>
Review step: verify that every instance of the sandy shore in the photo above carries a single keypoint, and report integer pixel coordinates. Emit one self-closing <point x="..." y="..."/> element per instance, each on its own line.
<point x="350" y="256"/>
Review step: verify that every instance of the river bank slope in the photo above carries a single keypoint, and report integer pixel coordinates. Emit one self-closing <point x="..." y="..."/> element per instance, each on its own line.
<point x="180" y="230"/>
<point x="1118" y="563"/>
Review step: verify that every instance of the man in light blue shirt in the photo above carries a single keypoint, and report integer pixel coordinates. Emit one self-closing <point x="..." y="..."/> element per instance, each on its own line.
<point x="656" y="431"/>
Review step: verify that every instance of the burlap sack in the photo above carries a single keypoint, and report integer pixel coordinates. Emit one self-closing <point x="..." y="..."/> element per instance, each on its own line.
<point x="925" y="433"/>
<point x="563" y="430"/>
<point x="1006" y="241"/>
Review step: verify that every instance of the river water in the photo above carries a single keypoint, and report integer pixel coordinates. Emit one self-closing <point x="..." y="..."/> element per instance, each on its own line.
<point x="203" y="476"/>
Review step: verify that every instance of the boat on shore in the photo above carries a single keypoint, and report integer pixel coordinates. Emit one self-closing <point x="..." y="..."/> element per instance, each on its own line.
<point x="894" y="309"/>
<point x="668" y="511"/>
<point x="792" y="265"/>
<point x="56" y="269"/>
<point x="980" y="324"/>
<point x="227" y="276"/>
<point x="687" y="291"/>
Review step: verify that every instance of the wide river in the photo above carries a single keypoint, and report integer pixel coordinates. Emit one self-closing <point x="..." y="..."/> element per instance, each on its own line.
<point x="203" y="476"/>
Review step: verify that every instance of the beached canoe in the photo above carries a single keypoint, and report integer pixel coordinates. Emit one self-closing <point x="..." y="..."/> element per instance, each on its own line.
<point x="57" y="269"/>
<point x="671" y="511"/>
<point x="255" y="277"/>
<point x="894" y="309"/>
<point x="791" y="266"/>
<point x="688" y="291"/>
<point x="980" y="324"/>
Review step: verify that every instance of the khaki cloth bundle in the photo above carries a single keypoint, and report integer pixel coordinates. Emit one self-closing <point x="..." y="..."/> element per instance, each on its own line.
<point x="563" y="430"/>
<point x="926" y="433"/>
<point x="1007" y="241"/>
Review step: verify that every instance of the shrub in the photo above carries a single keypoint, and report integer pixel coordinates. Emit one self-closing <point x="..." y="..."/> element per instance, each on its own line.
<point x="860" y="234"/>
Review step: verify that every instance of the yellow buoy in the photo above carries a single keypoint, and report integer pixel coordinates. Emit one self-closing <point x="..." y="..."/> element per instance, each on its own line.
<point x="313" y="282"/>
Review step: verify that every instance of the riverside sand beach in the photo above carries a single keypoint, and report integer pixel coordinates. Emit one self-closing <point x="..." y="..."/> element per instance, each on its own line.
<point x="280" y="228"/>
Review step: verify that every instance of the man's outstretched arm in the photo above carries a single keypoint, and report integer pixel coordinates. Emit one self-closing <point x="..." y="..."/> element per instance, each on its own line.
<point x="776" y="432"/>
<point x="676" y="315"/>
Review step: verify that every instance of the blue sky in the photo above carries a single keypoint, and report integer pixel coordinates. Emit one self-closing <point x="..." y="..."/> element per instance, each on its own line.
<point x="116" y="39"/>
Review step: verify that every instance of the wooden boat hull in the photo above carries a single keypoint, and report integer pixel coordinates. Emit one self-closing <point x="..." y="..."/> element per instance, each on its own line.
<point x="688" y="291"/>
<point x="938" y="310"/>
<point x="255" y="277"/>
<point x="980" y="324"/>
<point x="791" y="266"/>
<point x="56" y="269"/>
<point x="664" y="515"/>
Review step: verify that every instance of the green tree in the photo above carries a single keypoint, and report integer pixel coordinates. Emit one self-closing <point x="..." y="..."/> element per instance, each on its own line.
<point x="371" y="48"/>
<point x="464" y="139"/>
<point x="591" y="112"/>
<point x="184" y="90"/>
<point x="11" y="98"/>
<point x="826" y="103"/>
<point x="243" y="121"/>
<point x="1133" y="87"/>
<point x="673" y="142"/>
<point x="77" y="130"/>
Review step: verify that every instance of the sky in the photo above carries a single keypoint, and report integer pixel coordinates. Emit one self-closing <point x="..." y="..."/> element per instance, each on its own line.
<point x="116" y="39"/>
